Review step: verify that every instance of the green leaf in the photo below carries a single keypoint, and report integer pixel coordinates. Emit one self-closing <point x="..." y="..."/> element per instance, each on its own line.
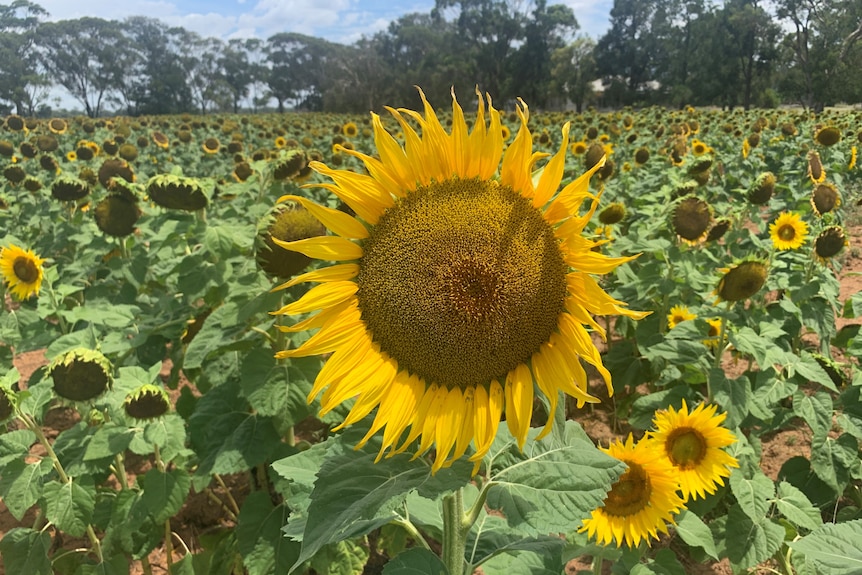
<point x="342" y="558"/>
<point x="104" y="313"/>
<point x="553" y="486"/>
<point x="494" y="537"/>
<point x="107" y="441"/>
<point x="815" y="409"/>
<point x="274" y="388"/>
<point x="832" y="459"/>
<point x="21" y="485"/>
<point x="301" y="471"/>
<point x="26" y="551"/>
<point x="732" y="395"/>
<point x="117" y="565"/>
<point x="70" y="505"/>
<point x="764" y="350"/>
<point x="184" y="566"/>
<point x="796" y="507"/>
<point x="752" y="494"/>
<point x="834" y="549"/>
<point x="15" y="444"/>
<point x="164" y="493"/>
<point x="665" y="563"/>
<point x="353" y="495"/>
<point x="521" y="564"/>
<point x="415" y="561"/>
<point x="807" y="367"/>
<point x="694" y="532"/>
<point x="750" y="542"/>
<point x="261" y="543"/>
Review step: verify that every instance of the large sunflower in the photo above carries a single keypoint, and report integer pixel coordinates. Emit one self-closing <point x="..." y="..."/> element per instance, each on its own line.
<point x="693" y="442"/>
<point x="641" y="502"/>
<point x="788" y="231"/>
<point x="464" y="281"/>
<point x="21" y="270"/>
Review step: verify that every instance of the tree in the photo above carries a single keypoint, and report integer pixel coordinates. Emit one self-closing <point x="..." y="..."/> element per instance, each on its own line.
<point x="199" y="59"/>
<point x="83" y="56"/>
<point x="573" y="70"/>
<point x="21" y="82"/>
<point x="240" y="68"/>
<point x="296" y="68"/>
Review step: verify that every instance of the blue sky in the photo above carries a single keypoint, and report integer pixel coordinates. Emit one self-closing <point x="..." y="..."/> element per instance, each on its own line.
<point x="342" y="21"/>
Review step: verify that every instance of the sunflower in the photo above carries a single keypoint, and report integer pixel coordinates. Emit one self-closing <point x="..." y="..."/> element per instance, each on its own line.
<point x="713" y="332"/>
<point x="507" y="133"/>
<point x="677" y="315"/>
<point x="825" y="198"/>
<point x="746" y="148"/>
<point x="691" y="219"/>
<point x="160" y="140"/>
<point x="71" y="156"/>
<point x="741" y="281"/>
<point x="350" y="130"/>
<point x="828" y="136"/>
<point x="692" y="443"/>
<point x="280" y="142"/>
<point x="816" y="171"/>
<point x="58" y="125"/>
<point x="788" y="231"/>
<point x="830" y="242"/>
<point x="457" y="290"/>
<point x="577" y="148"/>
<point x="641" y="502"/>
<point x="211" y="145"/>
<point x="147" y="402"/>
<point x="853" y="153"/>
<point x="699" y="148"/>
<point x="21" y="270"/>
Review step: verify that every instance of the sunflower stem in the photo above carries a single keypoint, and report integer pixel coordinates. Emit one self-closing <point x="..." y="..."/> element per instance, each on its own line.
<point x="64" y="329"/>
<point x="597" y="565"/>
<point x="455" y="528"/>
<point x="413" y="531"/>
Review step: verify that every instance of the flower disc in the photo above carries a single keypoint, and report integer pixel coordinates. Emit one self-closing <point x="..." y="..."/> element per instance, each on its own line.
<point x="825" y="198"/>
<point x="691" y="219"/>
<point x="461" y="280"/>
<point x="21" y="270"/>
<point x="742" y="282"/>
<point x="830" y="242"/>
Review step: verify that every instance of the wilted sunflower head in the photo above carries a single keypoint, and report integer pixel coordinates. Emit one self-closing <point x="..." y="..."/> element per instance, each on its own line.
<point x="211" y="145"/>
<point x="68" y="188"/>
<point x="28" y="150"/>
<point x="110" y="147"/>
<point x="14" y="174"/>
<point x="828" y="136"/>
<point x="642" y="156"/>
<point x="753" y="139"/>
<point x="742" y="281"/>
<point x="287" y="222"/>
<point x="613" y="213"/>
<point x="49" y="164"/>
<point x="114" y="168"/>
<point x="81" y="374"/>
<point x="830" y="242"/>
<point x="289" y="164"/>
<point x="21" y="271"/>
<point x="718" y="229"/>
<point x="691" y="219"/>
<point x="147" y="402"/>
<point x="825" y="198"/>
<point x="117" y="214"/>
<point x="32" y="184"/>
<point x="699" y="166"/>
<point x="177" y="192"/>
<point x="594" y="155"/>
<point x="788" y="128"/>
<point x="47" y="143"/>
<point x="128" y="152"/>
<point x="161" y="140"/>
<point x="762" y="189"/>
<point x="816" y="171"/>
<point x="242" y="171"/>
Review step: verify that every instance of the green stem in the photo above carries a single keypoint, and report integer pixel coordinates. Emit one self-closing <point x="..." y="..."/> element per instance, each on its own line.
<point x="454" y="533"/>
<point x="413" y="531"/>
<point x="227" y="493"/>
<point x="120" y="471"/>
<point x="64" y="329"/>
<point x="597" y="565"/>
<point x="145" y="565"/>
<point x="784" y="560"/>
<point x="160" y="465"/>
<point x="169" y="544"/>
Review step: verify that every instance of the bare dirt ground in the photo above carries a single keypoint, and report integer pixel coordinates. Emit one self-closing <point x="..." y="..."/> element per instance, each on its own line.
<point x="203" y="512"/>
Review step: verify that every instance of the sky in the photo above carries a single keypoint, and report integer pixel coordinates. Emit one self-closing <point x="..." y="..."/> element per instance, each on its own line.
<point x="343" y="21"/>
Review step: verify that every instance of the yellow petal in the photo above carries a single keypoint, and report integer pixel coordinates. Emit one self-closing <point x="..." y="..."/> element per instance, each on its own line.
<point x="328" y="339"/>
<point x="321" y="296"/>
<point x="519" y="402"/>
<point x="339" y="272"/>
<point x="553" y="172"/>
<point x="324" y="248"/>
<point x="448" y="427"/>
<point x="339" y="222"/>
<point x="488" y="409"/>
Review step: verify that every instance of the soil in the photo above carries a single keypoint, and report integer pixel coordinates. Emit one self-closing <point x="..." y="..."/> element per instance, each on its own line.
<point x="204" y="512"/>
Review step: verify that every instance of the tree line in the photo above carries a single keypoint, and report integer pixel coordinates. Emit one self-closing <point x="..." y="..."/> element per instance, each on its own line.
<point x="666" y="52"/>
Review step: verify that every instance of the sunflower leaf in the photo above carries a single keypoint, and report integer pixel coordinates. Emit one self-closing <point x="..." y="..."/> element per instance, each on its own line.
<point x="750" y="542"/>
<point x="70" y="505"/>
<point x="21" y="484"/>
<point x="834" y="549"/>
<point x="793" y="504"/>
<point x="752" y="494"/>
<point x="259" y="538"/>
<point x="552" y="487"/>
<point x="495" y="537"/>
<point x="26" y="551"/>
<point x="415" y="561"/>
<point x="694" y="532"/>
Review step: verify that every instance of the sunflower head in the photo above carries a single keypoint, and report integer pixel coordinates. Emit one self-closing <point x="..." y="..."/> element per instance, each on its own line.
<point x="788" y="231"/>
<point x="693" y="444"/>
<point x="350" y="130"/>
<point x="68" y="188"/>
<point x="242" y="171"/>
<point x="642" y="155"/>
<point x="14" y="174"/>
<point x="699" y="148"/>
<point x="612" y="213"/>
<point x="117" y="214"/>
<point x="594" y="155"/>
<point x="286" y="222"/>
<point x="80" y="374"/>
<point x="828" y="136"/>
<point x="699" y="166"/>
<point x="147" y="402"/>
<point x="289" y="164"/>
<point x="742" y="281"/>
<point x="718" y="229"/>
<point x="816" y="171"/>
<point x="28" y="150"/>
<point x="463" y="284"/>
<point x="7" y="148"/>
<point x="762" y="189"/>
<point x="161" y="140"/>
<point x="825" y="198"/>
<point x="177" y="192"/>
<point x="49" y="164"/>
<point x="788" y="129"/>
<point x="128" y="152"/>
<point x="47" y="143"/>
<point x="641" y="502"/>
<point x="32" y="184"/>
<point x="691" y="219"/>
<point x="211" y="145"/>
<point x="114" y="168"/>
<point x="21" y="270"/>
<point x="679" y="314"/>
<point x="110" y="147"/>
<point x="830" y="242"/>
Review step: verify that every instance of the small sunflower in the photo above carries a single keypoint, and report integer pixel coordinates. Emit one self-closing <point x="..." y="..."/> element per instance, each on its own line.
<point x="211" y="145"/>
<point x="464" y="284"/>
<point x="825" y="198"/>
<point x="828" y="136"/>
<point x="762" y="189"/>
<point x="613" y="213"/>
<point x="713" y="332"/>
<point x="853" y="153"/>
<point x="58" y="125"/>
<point x="691" y="219"/>
<point x="161" y="140"/>
<point x="788" y="231"/>
<point x="693" y="443"/>
<point x="642" y="501"/>
<point x="741" y="281"/>
<point x="642" y="156"/>
<point x="830" y="242"/>
<point x="746" y="148"/>
<point x="15" y="123"/>
<point x="350" y="130"/>
<point x="280" y="142"/>
<point x="816" y="171"/>
<point x="21" y="270"/>
<point x="578" y="148"/>
<point x="147" y="402"/>
<point x="718" y="229"/>
<point x="71" y="156"/>
<point x="504" y="129"/>
<point x="699" y="148"/>
<point x="677" y="315"/>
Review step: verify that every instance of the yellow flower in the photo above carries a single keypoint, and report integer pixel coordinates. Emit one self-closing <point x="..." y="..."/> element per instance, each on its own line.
<point x="71" y="155"/>
<point x="677" y="315"/>
<point x="788" y="231"/>
<point x="853" y="153"/>
<point x="641" y="502"/>
<point x="816" y="171"/>
<point x="161" y="140"/>
<point x="58" y="125"/>
<point x="280" y="142"/>
<point x="713" y="332"/>
<point x="699" y="148"/>
<point x="692" y="443"/>
<point x="463" y="283"/>
<point x="746" y="148"/>
<point x="211" y="145"/>
<point x="21" y="270"/>
<point x="349" y="129"/>
<point x="506" y="132"/>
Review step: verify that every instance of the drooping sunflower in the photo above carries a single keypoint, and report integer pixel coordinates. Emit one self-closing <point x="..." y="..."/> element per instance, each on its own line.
<point x="828" y="136"/>
<point x="825" y="198"/>
<point x="677" y="315"/>
<point x="816" y="171"/>
<point x="741" y="281"/>
<point x="21" y="270"/>
<point x="788" y="231"/>
<point x="713" y="332"/>
<point x="853" y="153"/>
<point x="693" y="442"/>
<point x="642" y="501"/>
<point x="462" y="283"/>
<point x="830" y="242"/>
<point x="161" y="140"/>
<point x="691" y="219"/>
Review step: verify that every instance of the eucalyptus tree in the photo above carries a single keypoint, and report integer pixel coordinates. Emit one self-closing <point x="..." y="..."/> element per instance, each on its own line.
<point x="84" y="57"/>
<point x="241" y="63"/>
<point x="199" y="58"/>
<point x="573" y="70"/>
<point x="21" y="81"/>
<point x="295" y="68"/>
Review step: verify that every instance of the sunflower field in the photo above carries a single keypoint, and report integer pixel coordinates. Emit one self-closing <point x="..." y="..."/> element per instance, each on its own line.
<point x="450" y="341"/>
